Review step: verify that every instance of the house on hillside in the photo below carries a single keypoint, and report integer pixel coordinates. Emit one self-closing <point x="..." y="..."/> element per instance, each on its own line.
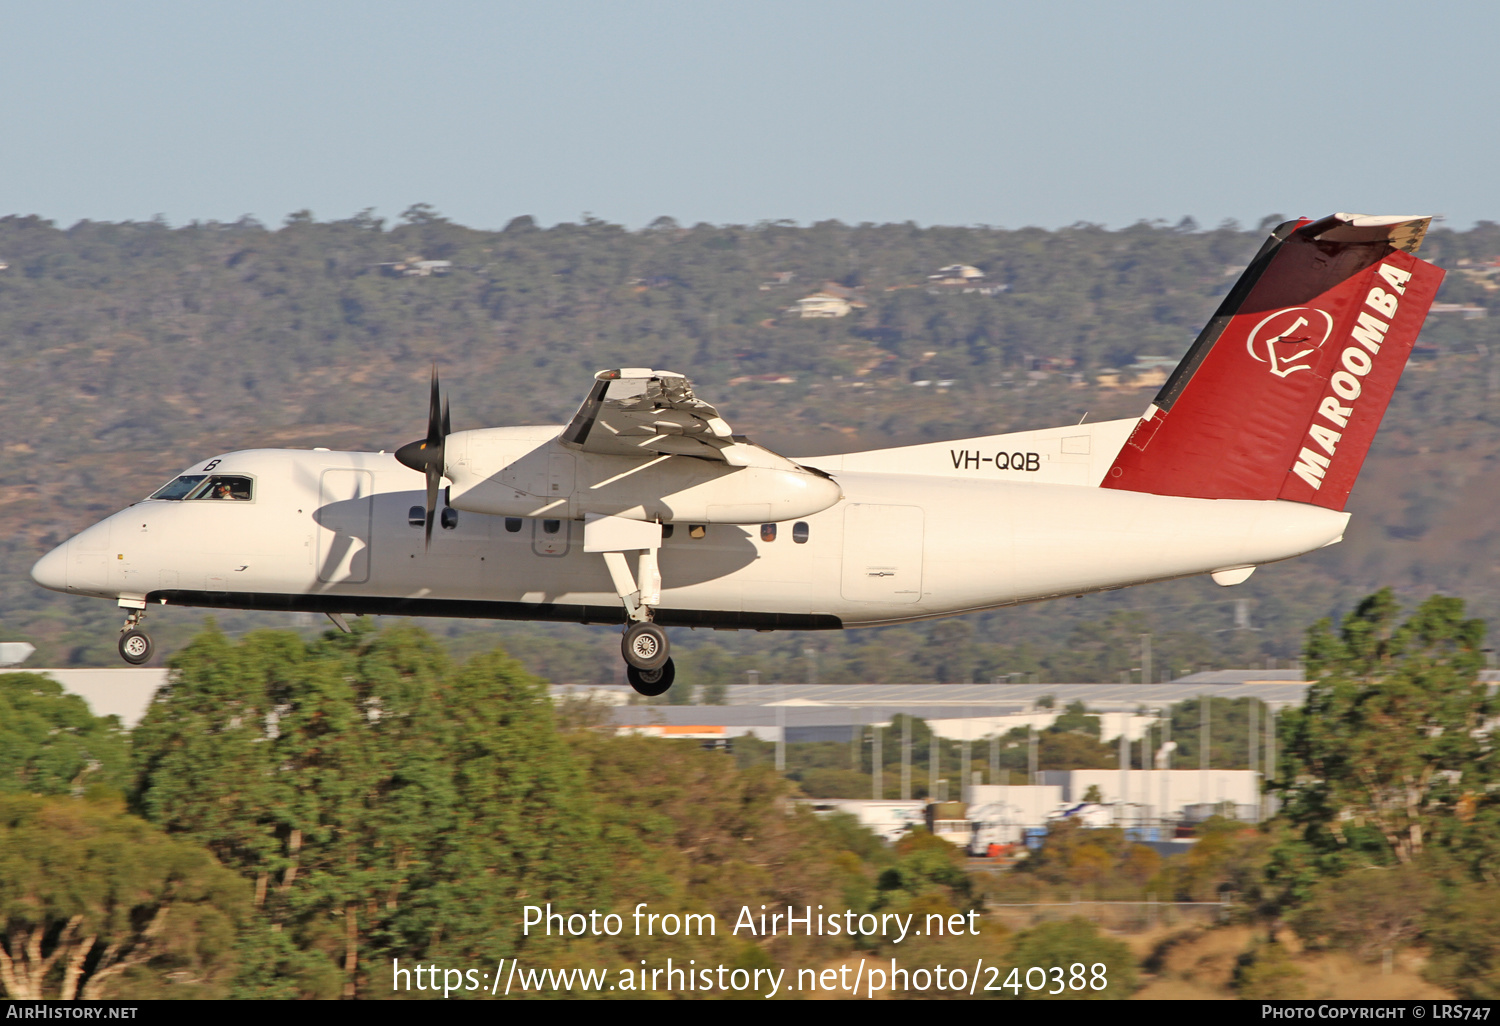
<point x="1484" y="272"/>
<point x="821" y="304"/>
<point x="956" y="274"/>
<point x="416" y="267"/>
<point x="1150" y="371"/>
<point x="961" y="279"/>
<point x="832" y="300"/>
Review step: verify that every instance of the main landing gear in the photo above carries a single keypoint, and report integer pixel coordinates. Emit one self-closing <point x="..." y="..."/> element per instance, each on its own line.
<point x="648" y="667"/>
<point x="648" y="661"/>
<point x="135" y="644"/>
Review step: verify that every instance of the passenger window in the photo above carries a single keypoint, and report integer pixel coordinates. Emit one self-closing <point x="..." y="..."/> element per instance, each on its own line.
<point x="449" y="518"/>
<point x="697" y="530"/>
<point x="178" y="488"/>
<point x="551" y="526"/>
<point x="666" y="531"/>
<point x="767" y="532"/>
<point x="512" y="524"/>
<point x="799" y="532"/>
<point x="225" y="487"/>
<point x="416" y="516"/>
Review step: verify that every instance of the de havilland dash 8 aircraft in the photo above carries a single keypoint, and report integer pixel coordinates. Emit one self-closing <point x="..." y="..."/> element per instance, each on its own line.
<point x="649" y="511"/>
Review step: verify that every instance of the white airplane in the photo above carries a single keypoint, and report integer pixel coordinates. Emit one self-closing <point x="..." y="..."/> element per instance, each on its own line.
<point x="1245" y="457"/>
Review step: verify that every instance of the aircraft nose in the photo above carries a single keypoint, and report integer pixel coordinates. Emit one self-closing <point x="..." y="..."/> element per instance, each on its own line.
<point x="51" y="571"/>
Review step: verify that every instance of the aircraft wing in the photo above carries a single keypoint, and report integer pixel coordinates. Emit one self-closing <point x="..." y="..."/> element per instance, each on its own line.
<point x="634" y="411"/>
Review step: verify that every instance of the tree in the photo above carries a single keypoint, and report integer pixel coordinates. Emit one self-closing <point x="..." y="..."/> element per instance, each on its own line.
<point x="382" y="802"/>
<point x="1369" y="911"/>
<point x="1075" y="718"/>
<point x="50" y="743"/>
<point x="97" y="903"/>
<point x="1463" y="938"/>
<point x="1068" y="750"/>
<point x="1267" y="973"/>
<point x="1390" y="756"/>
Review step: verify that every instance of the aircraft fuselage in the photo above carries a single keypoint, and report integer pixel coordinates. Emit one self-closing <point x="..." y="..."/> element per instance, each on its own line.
<point x="920" y="532"/>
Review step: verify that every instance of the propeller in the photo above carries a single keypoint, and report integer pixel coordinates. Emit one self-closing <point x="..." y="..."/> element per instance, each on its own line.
<point x="426" y="454"/>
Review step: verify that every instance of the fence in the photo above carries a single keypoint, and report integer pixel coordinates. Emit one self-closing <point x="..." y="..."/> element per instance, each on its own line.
<point x="1121" y="916"/>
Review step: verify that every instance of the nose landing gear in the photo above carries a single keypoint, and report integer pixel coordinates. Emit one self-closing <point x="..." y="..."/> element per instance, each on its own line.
<point x="135" y="644"/>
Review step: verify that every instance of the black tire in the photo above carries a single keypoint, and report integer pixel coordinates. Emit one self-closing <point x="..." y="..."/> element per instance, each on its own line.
<point x="645" y="646"/>
<point x="135" y="647"/>
<point x="652" y="682"/>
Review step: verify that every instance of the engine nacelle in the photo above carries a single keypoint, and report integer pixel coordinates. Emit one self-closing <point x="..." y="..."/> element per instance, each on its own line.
<point x="530" y="472"/>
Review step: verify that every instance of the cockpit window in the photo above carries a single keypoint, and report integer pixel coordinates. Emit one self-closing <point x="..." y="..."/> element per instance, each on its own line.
<point x="179" y="488"/>
<point x="224" y="486"/>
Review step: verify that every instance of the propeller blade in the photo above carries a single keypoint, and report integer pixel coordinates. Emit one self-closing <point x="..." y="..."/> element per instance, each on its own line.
<point x="434" y="411"/>
<point x="427" y="455"/>
<point x="433" y="476"/>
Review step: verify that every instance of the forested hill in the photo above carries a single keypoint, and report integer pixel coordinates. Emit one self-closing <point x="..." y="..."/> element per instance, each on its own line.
<point x="131" y="350"/>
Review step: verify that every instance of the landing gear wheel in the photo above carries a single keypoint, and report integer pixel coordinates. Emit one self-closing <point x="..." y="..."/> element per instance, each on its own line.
<point x="644" y="647"/>
<point x="135" y="647"/>
<point x="652" y="682"/>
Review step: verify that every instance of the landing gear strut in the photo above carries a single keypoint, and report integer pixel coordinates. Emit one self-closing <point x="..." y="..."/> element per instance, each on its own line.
<point x="648" y="663"/>
<point x="135" y="644"/>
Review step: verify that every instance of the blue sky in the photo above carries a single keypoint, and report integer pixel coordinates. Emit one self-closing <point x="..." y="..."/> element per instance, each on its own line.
<point x="991" y="113"/>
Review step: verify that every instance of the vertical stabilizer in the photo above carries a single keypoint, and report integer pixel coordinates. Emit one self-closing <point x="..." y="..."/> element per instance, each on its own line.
<point x="1280" y="396"/>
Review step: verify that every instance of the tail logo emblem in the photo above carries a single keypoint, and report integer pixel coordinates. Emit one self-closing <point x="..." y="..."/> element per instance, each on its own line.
<point x="1288" y="340"/>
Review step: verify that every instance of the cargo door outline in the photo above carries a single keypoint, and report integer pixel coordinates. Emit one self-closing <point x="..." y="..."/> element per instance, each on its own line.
<point x="882" y="553"/>
<point x="560" y="471"/>
<point x="344" y="517"/>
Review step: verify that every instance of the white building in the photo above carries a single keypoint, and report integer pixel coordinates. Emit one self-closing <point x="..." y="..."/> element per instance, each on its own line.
<point x="956" y="274"/>
<point x="1150" y="796"/>
<point x="974" y="728"/>
<point x="120" y="691"/>
<point x="1001" y="814"/>
<point x="887" y="820"/>
<point x="822" y="304"/>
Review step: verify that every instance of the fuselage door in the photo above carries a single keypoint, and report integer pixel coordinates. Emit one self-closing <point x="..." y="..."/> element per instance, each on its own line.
<point x="344" y="526"/>
<point x="882" y="553"/>
<point x="551" y="537"/>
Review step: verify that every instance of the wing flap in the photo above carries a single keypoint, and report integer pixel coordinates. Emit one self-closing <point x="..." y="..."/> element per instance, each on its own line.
<point x="634" y="411"/>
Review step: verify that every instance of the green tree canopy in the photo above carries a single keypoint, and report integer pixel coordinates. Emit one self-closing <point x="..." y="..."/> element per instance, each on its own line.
<point x="380" y="799"/>
<point x="98" y="903"/>
<point x="50" y="743"/>
<point x="1390" y="759"/>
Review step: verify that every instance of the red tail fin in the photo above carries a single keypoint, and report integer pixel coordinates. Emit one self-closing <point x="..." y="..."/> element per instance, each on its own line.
<point x="1281" y="395"/>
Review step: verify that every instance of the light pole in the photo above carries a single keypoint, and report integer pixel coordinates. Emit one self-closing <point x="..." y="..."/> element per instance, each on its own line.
<point x="906" y="757"/>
